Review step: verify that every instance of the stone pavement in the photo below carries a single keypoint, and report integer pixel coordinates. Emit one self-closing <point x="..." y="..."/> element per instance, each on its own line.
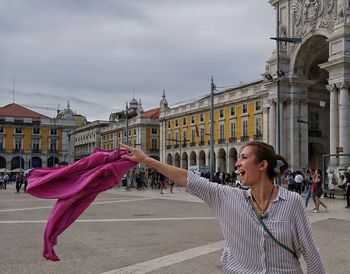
<point x="142" y="232"/>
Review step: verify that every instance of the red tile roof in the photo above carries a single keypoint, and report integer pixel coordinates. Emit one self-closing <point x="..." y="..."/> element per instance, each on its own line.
<point x="14" y="110"/>
<point x="152" y="113"/>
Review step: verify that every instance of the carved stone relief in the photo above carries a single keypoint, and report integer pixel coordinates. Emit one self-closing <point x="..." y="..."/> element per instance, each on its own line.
<point x="310" y="15"/>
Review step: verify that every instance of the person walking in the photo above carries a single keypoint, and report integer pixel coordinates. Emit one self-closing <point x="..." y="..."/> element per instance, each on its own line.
<point x="318" y="191"/>
<point x="6" y="180"/>
<point x="265" y="227"/>
<point x="309" y="181"/>
<point x="298" y="180"/>
<point x="290" y="181"/>
<point x="161" y="183"/>
<point x="347" y="187"/>
<point x="331" y="184"/>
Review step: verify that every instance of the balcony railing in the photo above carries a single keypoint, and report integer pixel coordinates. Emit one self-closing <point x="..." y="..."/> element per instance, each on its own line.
<point x="169" y="147"/>
<point x="221" y="141"/>
<point x="17" y="150"/>
<point x="184" y="144"/>
<point x="36" y="150"/>
<point x="244" y="138"/>
<point x="258" y="137"/>
<point x="232" y="140"/>
<point x="315" y="133"/>
<point x="176" y="146"/>
<point x="201" y="143"/>
<point x="154" y="150"/>
<point x="193" y="144"/>
<point x="53" y="151"/>
<point x="2" y="150"/>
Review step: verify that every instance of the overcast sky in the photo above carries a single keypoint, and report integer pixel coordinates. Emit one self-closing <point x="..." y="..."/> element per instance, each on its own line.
<point x="95" y="53"/>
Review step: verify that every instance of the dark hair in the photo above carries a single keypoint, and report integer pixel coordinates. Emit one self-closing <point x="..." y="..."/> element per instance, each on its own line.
<point x="276" y="163"/>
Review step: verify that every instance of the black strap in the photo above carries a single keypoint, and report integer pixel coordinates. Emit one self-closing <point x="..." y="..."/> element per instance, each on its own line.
<point x="273" y="238"/>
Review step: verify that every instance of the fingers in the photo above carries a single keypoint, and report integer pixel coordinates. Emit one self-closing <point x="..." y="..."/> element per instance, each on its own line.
<point x="127" y="147"/>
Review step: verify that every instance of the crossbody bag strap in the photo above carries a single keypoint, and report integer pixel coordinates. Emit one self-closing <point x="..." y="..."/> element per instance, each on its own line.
<point x="277" y="241"/>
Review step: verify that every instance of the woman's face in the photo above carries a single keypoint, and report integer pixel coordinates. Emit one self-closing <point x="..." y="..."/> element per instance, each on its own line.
<point x="248" y="167"/>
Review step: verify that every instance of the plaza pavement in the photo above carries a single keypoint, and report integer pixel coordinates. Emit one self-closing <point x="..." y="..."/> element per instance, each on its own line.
<point x="142" y="232"/>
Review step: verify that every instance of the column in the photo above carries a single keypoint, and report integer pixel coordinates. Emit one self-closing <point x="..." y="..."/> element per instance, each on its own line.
<point x="334" y="123"/>
<point x="282" y="128"/>
<point x="344" y="124"/>
<point x="272" y="123"/>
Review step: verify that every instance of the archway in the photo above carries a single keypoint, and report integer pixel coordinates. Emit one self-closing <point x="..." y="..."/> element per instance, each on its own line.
<point x="169" y="159"/>
<point x="36" y="162"/>
<point x="233" y="159"/>
<point x="17" y="162"/>
<point x="52" y="161"/>
<point x="2" y="162"/>
<point x="201" y="159"/>
<point x="193" y="158"/>
<point x="184" y="160"/>
<point x="177" y="159"/>
<point x="222" y="160"/>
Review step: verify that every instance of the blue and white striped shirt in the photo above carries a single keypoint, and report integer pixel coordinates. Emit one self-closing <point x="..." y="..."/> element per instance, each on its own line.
<point x="248" y="248"/>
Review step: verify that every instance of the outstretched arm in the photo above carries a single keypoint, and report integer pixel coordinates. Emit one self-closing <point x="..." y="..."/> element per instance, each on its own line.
<point x="176" y="174"/>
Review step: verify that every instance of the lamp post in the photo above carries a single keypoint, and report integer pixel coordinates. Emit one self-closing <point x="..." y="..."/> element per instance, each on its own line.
<point x="212" y="88"/>
<point x="293" y="40"/>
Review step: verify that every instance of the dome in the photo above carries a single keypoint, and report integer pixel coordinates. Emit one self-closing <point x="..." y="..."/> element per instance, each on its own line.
<point x="133" y="103"/>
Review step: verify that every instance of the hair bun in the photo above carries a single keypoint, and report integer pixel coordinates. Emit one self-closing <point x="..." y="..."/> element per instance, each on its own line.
<point x="277" y="168"/>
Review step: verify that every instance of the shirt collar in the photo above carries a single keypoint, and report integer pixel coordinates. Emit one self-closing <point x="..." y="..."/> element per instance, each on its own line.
<point x="281" y="194"/>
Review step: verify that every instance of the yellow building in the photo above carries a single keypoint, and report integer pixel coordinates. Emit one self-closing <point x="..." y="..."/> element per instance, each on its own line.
<point x="185" y="129"/>
<point x="29" y="139"/>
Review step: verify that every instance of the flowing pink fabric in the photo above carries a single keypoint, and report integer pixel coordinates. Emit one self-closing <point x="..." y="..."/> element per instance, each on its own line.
<point x="76" y="187"/>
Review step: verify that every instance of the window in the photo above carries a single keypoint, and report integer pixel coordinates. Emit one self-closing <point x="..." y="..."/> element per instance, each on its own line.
<point x="193" y="136"/>
<point x="18" y="143"/>
<point x="154" y="144"/>
<point x="53" y="131"/>
<point x="169" y="139"/>
<point x="202" y="135"/>
<point x="154" y="130"/>
<point x="245" y="128"/>
<point x="119" y="134"/>
<point x="222" y="132"/>
<point x="53" y="144"/>
<point x="176" y="123"/>
<point x="169" y="124"/>
<point x="192" y="119"/>
<point x="1" y="143"/>
<point x="35" y="144"/>
<point x="129" y="131"/>
<point x="124" y="131"/>
<point x="233" y="111"/>
<point x="201" y="117"/>
<point x="1" y="129"/>
<point x="258" y="126"/>
<point x="222" y="113"/>
<point x="314" y="121"/>
<point x="184" y="136"/>
<point x="176" y="136"/>
<point x="184" y="121"/>
<point x="134" y="131"/>
<point x="233" y="130"/>
<point x="257" y="105"/>
<point x="245" y="108"/>
<point x="18" y="130"/>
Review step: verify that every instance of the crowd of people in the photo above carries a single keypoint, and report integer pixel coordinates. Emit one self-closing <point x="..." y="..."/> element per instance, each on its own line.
<point x="20" y="179"/>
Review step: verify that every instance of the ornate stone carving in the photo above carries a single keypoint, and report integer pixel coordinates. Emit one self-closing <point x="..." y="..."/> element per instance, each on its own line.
<point x="331" y="88"/>
<point x="342" y="85"/>
<point x="314" y="14"/>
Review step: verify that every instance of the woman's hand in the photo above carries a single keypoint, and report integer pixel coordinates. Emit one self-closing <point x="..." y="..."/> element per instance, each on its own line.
<point x="136" y="155"/>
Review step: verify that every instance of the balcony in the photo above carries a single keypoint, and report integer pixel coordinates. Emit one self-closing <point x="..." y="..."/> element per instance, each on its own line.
<point x="209" y="142"/>
<point x="169" y="147"/>
<point x="221" y="141"/>
<point x="17" y="150"/>
<point x="315" y="133"/>
<point x="232" y="140"/>
<point x="53" y="151"/>
<point x="193" y="144"/>
<point x="154" y="150"/>
<point x="2" y="150"/>
<point x="184" y="144"/>
<point x="201" y="143"/>
<point x="244" y="138"/>
<point x="176" y="146"/>
<point x="36" y="150"/>
<point x="258" y="136"/>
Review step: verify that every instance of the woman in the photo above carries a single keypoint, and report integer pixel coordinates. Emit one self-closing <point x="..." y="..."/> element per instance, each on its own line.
<point x="317" y="191"/>
<point x="244" y="214"/>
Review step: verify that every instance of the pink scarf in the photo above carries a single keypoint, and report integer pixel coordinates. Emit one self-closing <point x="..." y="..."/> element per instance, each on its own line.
<point x="75" y="186"/>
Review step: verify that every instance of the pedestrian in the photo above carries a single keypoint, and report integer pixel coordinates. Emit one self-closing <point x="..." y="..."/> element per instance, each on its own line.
<point x="265" y="227"/>
<point x="331" y="184"/>
<point x="309" y="181"/>
<point x="18" y="182"/>
<point x="290" y="181"/>
<point x="171" y="186"/>
<point x="6" y="180"/>
<point x="298" y="180"/>
<point x="318" y="191"/>
<point x="347" y="187"/>
<point x="216" y="178"/>
<point x="161" y="183"/>
<point x="2" y="181"/>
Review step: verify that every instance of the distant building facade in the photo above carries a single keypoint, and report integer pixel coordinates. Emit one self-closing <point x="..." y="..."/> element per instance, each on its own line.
<point x="29" y="139"/>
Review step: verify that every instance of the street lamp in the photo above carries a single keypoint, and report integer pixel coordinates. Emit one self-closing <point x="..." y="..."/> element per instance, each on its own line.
<point x="293" y="40"/>
<point x="212" y="88"/>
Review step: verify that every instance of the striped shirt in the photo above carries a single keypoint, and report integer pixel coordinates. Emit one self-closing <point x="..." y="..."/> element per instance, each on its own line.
<point x="248" y="248"/>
